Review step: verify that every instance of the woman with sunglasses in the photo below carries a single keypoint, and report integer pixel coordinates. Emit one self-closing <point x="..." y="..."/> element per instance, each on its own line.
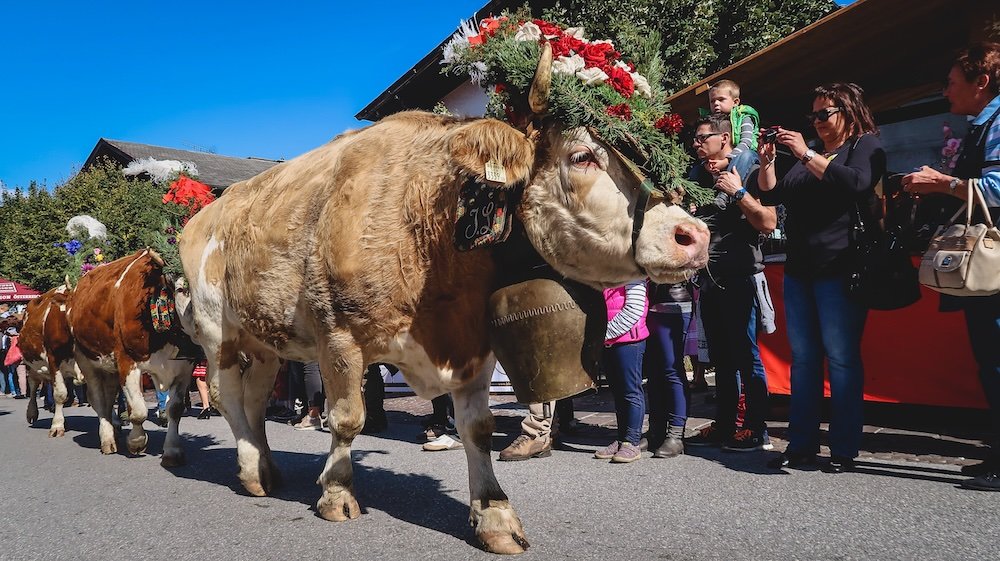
<point x="819" y="193"/>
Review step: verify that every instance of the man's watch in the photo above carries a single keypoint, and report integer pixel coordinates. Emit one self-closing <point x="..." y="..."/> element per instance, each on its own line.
<point x="810" y="154"/>
<point x="953" y="184"/>
<point x="739" y="194"/>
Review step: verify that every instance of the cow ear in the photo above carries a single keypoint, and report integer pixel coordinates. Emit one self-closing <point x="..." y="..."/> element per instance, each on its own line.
<point x="485" y="142"/>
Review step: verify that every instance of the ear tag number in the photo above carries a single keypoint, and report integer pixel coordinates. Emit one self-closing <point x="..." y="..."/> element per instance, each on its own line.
<point x="495" y="172"/>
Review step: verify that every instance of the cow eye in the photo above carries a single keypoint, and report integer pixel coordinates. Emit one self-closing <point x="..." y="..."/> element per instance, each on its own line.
<point x="583" y="157"/>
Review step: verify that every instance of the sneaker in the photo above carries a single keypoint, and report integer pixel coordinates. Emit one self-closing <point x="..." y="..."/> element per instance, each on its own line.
<point x="608" y="451"/>
<point x="746" y="441"/>
<point x="626" y="454"/>
<point x="708" y="436"/>
<point x="433" y="432"/>
<point x="986" y="482"/>
<point x="443" y="442"/>
<point x="525" y="447"/>
<point x="309" y="423"/>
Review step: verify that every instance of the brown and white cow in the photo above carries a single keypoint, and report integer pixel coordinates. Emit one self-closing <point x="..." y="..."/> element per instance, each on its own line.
<point x="345" y="255"/>
<point x="109" y="316"/>
<point x="47" y="346"/>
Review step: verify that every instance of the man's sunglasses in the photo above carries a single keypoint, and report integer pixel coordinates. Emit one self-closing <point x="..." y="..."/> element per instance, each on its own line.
<point x="701" y="138"/>
<point x="823" y="114"/>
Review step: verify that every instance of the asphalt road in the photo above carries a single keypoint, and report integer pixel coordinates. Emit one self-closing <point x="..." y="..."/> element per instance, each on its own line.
<point x="61" y="499"/>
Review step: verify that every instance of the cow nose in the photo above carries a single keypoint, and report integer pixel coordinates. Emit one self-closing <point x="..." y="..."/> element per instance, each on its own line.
<point x="692" y="239"/>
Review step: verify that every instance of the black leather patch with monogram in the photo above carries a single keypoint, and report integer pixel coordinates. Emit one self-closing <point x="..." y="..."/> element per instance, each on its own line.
<point x="484" y="216"/>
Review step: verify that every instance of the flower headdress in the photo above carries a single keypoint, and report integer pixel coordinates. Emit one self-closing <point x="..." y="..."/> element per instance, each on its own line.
<point x="592" y="85"/>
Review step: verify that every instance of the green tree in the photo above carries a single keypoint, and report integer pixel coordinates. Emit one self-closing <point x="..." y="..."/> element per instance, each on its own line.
<point x="699" y="37"/>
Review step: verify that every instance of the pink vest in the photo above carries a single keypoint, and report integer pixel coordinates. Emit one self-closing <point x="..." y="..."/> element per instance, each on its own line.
<point x="615" y="300"/>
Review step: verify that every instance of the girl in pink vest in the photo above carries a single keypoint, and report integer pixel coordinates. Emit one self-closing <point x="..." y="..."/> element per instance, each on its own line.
<point x="625" y="342"/>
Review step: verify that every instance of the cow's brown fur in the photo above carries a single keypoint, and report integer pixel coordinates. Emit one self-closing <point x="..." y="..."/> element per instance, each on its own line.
<point x="346" y="255"/>
<point x="114" y="335"/>
<point x="47" y="346"/>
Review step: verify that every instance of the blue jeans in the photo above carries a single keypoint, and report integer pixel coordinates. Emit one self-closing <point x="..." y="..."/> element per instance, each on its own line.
<point x="743" y="162"/>
<point x="11" y="375"/>
<point x="666" y="379"/>
<point x="3" y="379"/>
<point x="623" y="367"/>
<point x="161" y="400"/>
<point x="824" y="323"/>
<point x="729" y="315"/>
<point x="982" y="317"/>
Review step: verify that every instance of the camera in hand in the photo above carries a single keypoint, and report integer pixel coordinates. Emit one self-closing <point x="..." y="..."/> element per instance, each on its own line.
<point x="769" y="135"/>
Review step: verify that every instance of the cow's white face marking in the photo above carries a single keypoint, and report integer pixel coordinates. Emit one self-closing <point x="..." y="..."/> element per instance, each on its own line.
<point x="118" y="283"/>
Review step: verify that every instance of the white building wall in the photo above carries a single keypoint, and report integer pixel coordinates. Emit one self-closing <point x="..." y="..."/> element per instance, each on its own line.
<point x="467" y="100"/>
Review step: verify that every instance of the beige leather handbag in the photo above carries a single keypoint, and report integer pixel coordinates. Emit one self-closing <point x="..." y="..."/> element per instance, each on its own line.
<point x="964" y="259"/>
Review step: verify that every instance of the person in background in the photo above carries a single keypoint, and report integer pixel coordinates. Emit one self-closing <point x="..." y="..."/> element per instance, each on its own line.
<point x="724" y="100"/>
<point x="440" y="430"/>
<point x="820" y="193"/>
<point x="199" y="374"/>
<point x="624" y="345"/>
<point x="311" y="383"/>
<point x="728" y="296"/>
<point x="974" y="89"/>
<point x="9" y="371"/>
<point x="670" y="309"/>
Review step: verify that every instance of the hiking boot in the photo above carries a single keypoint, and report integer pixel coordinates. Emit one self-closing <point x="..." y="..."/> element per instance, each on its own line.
<point x="673" y="445"/>
<point x="525" y="447"/>
<point x="608" y="451"/>
<point x="746" y="441"/>
<point x="443" y="442"/>
<point x="626" y="454"/>
<point x="708" y="436"/>
<point x="309" y="423"/>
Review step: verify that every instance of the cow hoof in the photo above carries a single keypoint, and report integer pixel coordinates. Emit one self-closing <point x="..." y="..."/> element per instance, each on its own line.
<point x="172" y="459"/>
<point x="137" y="445"/>
<point x="57" y="431"/>
<point x="338" y="506"/>
<point x="498" y="528"/>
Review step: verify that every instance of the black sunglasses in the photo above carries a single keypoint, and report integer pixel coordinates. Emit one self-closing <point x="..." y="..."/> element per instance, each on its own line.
<point x="823" y="114"/>
<point x="701" y="138"/>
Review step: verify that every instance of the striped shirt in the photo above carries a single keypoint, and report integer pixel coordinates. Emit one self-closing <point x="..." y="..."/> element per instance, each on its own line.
<point x="990" y="181"/>
<point x="631" y="312"/>
<point x="747" y="129"/>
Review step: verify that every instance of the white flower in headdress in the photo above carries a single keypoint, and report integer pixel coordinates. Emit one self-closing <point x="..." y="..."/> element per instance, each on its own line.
<point x="599" y="41"/>
<point x="592" y="76"/>
<point x="642" y="85"/>
<point x="459" y="42"/>
<point x="528" y="32"/>
<point x="568" y="65"/>
<point x="575" y="32"/>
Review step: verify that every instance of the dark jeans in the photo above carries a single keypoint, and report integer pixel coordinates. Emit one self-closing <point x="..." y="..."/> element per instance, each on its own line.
<point x="982" y="317"/>
<point x="623" y="367"/>
<point x="729" y="315"/>
<point x="666" y="379"/>
<point x="306" y="383"/>
<point x="824" y="323"/>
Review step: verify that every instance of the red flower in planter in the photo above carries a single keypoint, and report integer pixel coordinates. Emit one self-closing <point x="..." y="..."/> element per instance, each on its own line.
<point x="671" y="123"/>
<point x="622" y="111"/>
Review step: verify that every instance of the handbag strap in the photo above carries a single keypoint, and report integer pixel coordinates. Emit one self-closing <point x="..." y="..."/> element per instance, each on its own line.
<point x="981" y="199"/>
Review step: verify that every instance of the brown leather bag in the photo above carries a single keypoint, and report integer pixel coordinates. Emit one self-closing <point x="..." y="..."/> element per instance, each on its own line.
<point x="964" y="259"/>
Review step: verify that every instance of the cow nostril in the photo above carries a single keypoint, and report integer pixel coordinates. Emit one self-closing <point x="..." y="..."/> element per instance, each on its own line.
<point x="683" y="238"/>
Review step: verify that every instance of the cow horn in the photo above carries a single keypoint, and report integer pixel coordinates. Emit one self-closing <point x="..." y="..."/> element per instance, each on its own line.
<point x="538" y="95"/>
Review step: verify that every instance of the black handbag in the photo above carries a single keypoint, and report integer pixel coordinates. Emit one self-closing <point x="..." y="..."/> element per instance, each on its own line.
<point x="882" y="276"/>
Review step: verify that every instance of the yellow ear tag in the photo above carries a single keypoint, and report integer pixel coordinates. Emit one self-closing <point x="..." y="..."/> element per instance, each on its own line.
<point x="495" y="172"/>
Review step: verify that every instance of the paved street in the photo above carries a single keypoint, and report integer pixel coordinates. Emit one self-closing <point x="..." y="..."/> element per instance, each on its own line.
<point x="61" y="499"/>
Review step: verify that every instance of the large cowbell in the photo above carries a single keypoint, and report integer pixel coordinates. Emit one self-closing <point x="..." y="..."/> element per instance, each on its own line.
<point x="548" y="335"/>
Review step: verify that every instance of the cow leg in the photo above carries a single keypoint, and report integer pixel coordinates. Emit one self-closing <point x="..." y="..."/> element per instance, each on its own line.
<point x="342" y="373"/>
<point x="173" y="452"/>
<point x="32" y="399"/>
<point x="258" y="382"/>
<point x="497" y="525"/>
<point x="59" y="394"/>
<point x="225" y="386"/>
<point x="102" y="388"/>
<point x="137" y="438"/>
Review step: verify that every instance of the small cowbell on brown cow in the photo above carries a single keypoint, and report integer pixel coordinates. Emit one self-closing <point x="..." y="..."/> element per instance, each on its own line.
<point x="346" y="255"/>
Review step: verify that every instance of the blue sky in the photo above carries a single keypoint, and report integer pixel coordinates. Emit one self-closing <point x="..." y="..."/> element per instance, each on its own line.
<point x="248" y="78"/>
